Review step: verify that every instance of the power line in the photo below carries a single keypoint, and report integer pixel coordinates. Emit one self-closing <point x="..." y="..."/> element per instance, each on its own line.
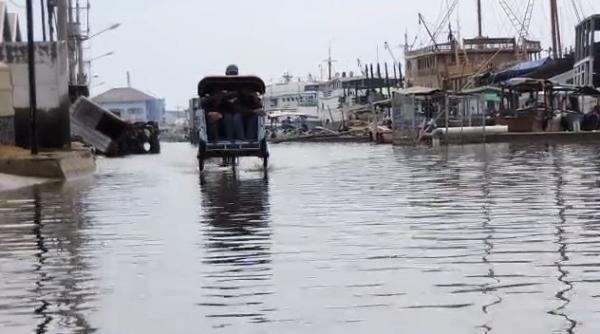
<point x="576" y="10"/>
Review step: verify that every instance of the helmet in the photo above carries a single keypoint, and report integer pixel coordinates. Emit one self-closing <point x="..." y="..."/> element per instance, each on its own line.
<point x="232" y="70"/>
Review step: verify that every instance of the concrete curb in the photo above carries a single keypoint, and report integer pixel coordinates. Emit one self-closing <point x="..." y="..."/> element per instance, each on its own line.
<point x="63" y="165"/>
<point x="14" y="182"/>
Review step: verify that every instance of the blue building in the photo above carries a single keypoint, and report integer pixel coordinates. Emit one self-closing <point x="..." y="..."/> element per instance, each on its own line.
<point x="132" y="105"/>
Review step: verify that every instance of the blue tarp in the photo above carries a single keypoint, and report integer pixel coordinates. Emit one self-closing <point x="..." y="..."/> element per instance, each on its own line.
<point x="520" y="69"/>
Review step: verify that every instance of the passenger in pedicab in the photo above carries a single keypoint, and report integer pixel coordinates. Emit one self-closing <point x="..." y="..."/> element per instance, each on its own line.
<point x="211" y="104"/>
<point x="244" y="106"/>
<point x="251" y="109"/>
<point x="232" y="115"/>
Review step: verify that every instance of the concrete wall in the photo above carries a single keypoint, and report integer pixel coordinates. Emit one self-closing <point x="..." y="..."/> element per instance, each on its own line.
<point x="52" y="92"/>
<point x="156" y="110"/>
<point x="7" y="112"/>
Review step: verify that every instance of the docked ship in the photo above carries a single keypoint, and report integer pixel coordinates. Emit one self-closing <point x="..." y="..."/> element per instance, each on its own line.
<point x="293" y="99"/>
<point x="453" y="64"/>
<point x="329" y="102"/>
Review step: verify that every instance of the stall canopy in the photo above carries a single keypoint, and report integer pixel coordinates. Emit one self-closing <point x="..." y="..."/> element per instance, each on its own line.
<point x="520" y="69"/>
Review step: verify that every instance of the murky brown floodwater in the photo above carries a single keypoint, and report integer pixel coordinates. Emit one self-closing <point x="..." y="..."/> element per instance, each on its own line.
<point x="338" y="239"/>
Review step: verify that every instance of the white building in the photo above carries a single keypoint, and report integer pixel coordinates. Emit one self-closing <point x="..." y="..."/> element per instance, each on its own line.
<point x="132" y="105"/>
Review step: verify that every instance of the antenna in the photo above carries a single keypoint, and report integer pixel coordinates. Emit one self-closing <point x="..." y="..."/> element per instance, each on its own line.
<point x="128" y="79"/>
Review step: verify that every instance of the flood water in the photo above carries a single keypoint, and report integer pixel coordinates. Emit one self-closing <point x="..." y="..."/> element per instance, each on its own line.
<point x="337" y="239"/>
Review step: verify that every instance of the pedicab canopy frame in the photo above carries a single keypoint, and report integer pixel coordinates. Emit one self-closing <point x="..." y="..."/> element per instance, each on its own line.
<point x="230" y="83"/>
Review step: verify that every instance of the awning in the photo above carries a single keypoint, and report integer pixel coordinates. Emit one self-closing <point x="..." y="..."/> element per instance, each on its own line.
<point x="520" y="69"/>
<point x="526" y="84"/>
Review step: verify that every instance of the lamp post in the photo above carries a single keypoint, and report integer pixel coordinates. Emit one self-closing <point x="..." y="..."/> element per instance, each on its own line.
<point x="32" y="88"/>
<point x="93" y="59"/>
<point x="112" y="27"/>
<point x="81" y="78"/>
<point x="108" y="54"/>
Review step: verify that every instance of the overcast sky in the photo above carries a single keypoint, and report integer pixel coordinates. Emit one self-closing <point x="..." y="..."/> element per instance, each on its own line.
<point x="168" y="46"/>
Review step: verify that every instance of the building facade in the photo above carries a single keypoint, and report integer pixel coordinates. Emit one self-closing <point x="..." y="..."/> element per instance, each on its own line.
<point x="587" y="52"/>
<point x="132" y="105"/>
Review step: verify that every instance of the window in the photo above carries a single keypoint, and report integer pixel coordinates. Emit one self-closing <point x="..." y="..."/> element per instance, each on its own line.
<point x="118" y="112"/>
<point x="136" y="114"/>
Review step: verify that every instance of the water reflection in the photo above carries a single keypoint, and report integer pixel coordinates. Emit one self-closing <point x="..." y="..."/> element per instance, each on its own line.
<point x="41" y="258"/>
<point x="238" y="249"/>
<point x="342" y="238"/>
<point x="46" y="281"/>
<point x="562" y="242"/>
<point x="488" y="244"/>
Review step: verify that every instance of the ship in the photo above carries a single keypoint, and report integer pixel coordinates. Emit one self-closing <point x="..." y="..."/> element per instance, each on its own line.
<point x="454" y="64"/>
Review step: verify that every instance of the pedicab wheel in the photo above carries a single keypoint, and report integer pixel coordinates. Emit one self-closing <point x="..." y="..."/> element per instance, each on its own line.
<point x="201" y="149"/>
<point x="265" y="153"/>
<point x="201" y="164"/>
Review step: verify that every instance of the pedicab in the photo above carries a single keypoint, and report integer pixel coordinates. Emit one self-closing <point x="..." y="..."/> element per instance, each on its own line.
<point x="231" y="135"/>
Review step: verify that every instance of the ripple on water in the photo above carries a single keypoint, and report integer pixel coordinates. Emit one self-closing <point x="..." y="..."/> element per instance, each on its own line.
<point x="339" y="238"/>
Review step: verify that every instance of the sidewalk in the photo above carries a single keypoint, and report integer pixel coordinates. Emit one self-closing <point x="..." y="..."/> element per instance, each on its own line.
<point x="55" y="165"/>
<point x="13" y="182"/>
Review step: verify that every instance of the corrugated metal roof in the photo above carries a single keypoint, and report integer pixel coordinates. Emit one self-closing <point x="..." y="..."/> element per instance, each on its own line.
<point x="125" y="94"/>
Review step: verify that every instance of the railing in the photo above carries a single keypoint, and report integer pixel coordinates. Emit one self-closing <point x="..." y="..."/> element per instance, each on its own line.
<point x="443" y="47"/>
<point x="483" y="44"/>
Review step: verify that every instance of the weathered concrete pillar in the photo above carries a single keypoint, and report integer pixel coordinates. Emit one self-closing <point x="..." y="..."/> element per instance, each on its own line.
<point x="53" y="119"/>
<point x="7" y="112"/>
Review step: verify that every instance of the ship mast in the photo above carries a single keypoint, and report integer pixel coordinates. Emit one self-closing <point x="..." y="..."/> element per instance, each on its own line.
<point x="479" y="23"/>
<point x="330" y="62"/>
<point x="556" y="42"/>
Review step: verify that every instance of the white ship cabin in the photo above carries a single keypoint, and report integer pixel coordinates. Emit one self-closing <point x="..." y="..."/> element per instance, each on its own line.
<point x="291" y="95"/>
<point x="297" y="100"/>
<point x="348" y="91"/>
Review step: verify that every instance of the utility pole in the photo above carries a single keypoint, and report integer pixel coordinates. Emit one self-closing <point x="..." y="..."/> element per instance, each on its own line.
<point x="479" y="19"/>
<point x="32" y="87"/>
<point x="62" y="25"/>
<point x="51" y="5"/>
<point x="43" y="10"/>
<point x="81" y="77"/>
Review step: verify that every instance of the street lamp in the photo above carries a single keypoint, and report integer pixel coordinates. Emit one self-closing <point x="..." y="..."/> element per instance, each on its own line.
<point x="89" y="61"/>
<point x="112" y="27"/>
<point x="81" y="77"/>
<point x="108" y="54"/>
